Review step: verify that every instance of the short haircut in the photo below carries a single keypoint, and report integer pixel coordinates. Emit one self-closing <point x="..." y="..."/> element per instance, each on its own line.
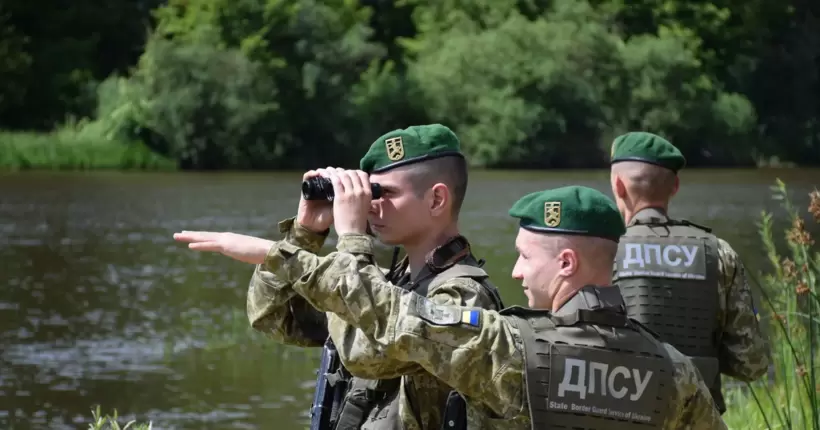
<point x="596" y="251"/>
<point x="646" y="181"/>
<point x="448" y="170"/>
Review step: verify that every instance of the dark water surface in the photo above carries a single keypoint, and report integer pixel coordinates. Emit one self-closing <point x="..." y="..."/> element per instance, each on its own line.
<point x="100" y="306"/>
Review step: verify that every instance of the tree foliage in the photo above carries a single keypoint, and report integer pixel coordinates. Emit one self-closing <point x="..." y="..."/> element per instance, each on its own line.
<point x="531" y="83"/>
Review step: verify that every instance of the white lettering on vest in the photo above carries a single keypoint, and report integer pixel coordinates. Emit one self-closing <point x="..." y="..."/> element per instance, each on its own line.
<point x="666" y="255"/>
<point x="582" y="385"/>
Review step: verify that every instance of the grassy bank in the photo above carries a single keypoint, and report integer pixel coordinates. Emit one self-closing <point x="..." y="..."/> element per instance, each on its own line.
<point x="791" y="304"/>
<point x="75" y="148"/>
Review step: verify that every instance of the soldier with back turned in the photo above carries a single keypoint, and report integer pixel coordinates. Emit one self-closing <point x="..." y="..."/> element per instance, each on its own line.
<point x="677" y="277"/>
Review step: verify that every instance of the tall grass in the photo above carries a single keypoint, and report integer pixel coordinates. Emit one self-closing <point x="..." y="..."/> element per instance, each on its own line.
<point x="791" y="304"/>
<point x="109" y="422"/>
<point x="76" y="146"/>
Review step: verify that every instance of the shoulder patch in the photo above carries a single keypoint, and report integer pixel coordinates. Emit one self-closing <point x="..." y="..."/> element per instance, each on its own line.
<point x="438" y="314"/>
<point x="471" y="317"/>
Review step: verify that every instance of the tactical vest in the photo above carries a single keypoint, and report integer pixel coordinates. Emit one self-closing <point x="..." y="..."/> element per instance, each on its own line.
<point x="592" y="368"/>
<point x="668" y="273"/>
<point x="365" y="395"/>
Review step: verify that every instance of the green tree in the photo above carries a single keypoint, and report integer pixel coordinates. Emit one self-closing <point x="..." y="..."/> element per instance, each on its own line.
<point x="555" y="90"/>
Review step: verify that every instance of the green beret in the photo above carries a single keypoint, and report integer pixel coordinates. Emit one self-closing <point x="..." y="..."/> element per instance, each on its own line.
<point x="410" y="145"/>
<point x="570" y="210"/>
<point x="647" y="148"/>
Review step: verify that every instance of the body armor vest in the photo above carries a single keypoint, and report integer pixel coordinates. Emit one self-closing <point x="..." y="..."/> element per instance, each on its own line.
<point x="374" y="404"/>
<point x="589" y="367"/>
<point x="668" y="273"/>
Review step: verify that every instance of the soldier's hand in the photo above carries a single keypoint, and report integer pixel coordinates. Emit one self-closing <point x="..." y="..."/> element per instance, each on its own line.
<point x="352" y="202"/>
<point x="247" y="249"/>
<point x="315" y="215"/>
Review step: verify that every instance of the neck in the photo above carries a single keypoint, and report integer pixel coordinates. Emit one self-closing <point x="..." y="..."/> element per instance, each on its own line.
<point x="630" y="212"/>
<point x="417" y="252"/>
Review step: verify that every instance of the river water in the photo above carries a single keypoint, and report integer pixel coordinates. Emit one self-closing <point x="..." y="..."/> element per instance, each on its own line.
<point x="100" y="306"/>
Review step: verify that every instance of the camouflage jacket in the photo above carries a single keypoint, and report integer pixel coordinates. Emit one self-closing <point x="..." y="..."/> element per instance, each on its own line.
<point x="274" y="308"/>
<point x="484" y="361"/>
<point x="742" y="350"/>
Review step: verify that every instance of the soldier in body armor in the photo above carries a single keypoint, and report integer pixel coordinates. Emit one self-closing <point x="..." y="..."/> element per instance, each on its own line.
<point x="677" y="277"/>
<point x="571" y="360"/>
<point x="423" y="177"/>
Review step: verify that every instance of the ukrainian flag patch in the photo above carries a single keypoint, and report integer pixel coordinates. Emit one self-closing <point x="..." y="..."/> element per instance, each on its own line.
<point x="470" y="317"/>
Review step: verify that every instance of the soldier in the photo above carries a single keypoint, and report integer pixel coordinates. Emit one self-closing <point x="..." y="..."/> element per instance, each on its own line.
<point x="423" y="178"/>
<point x="585" y="365"/>
<point x="676" y="277"/>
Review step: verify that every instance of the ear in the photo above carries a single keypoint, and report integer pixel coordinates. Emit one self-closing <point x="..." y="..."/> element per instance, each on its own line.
<point x="567" y="263"/>
<point x="619" y="188"/>
<point x="440" y="200"/>
<point x="677" y="185"/>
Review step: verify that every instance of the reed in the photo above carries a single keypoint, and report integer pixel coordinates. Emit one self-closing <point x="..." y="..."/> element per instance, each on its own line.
<point x="789" y="400"/>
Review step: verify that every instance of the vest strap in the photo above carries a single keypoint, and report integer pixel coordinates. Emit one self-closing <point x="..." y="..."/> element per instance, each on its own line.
<point x="353" y="411"/>
<point x="654" y="221"/>
<point x="530" y="356"/>
<point x="338" y="375"/>
<point x="589" y="316"/>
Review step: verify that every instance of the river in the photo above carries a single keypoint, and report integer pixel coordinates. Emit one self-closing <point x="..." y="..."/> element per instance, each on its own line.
<point x="100" y="306"/>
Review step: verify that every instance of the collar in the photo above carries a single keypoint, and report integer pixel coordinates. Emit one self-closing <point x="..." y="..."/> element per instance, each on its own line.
<point x="438" y="260"/>
<point x="593" y="297"/>
<point x="649" y="215"/>
<point x="446" y="255"/>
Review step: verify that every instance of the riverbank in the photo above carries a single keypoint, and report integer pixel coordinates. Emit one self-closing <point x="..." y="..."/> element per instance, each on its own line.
<point x="70" y="149"/>
<point x="84" y="148"/>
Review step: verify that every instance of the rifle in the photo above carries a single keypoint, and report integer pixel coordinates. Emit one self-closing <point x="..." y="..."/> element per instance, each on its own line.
<point x="328" y="394"/>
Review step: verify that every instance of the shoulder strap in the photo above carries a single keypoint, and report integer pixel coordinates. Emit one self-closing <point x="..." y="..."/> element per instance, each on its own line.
<point x="604" y="317"/>
<point x="458" y="271"/>
<point x="461" y="270"/>
<point x="691" y="224"/>
<point x="670" y="221"/>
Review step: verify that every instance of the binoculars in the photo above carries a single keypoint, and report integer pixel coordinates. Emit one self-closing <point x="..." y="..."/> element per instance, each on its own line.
<point x="320" y="188"/>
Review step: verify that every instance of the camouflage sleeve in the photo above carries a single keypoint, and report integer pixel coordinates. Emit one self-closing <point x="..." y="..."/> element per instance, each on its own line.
<point x="694" y="407"/>
<point x="743" y="350"/>
<point x="472" y="350"/>
<point x="356" y="349"/>
<point x="275" y="309"/>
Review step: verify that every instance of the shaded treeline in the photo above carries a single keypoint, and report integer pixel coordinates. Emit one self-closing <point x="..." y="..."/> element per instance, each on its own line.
<point x="533" y="83"/>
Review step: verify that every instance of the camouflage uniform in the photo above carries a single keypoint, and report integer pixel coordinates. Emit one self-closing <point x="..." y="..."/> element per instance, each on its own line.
<point x="485" y="364"/>
<point x="274" y="307"/>
<point x="734" y="338"/>
<point x="478" y="352"/>
<point x="743" y="353"/>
